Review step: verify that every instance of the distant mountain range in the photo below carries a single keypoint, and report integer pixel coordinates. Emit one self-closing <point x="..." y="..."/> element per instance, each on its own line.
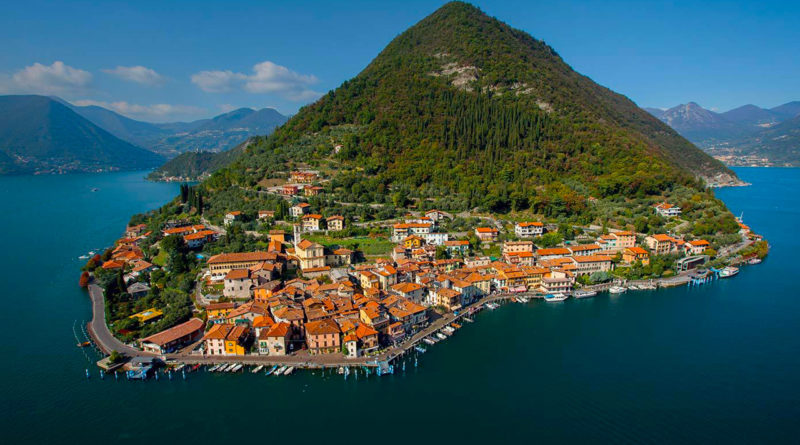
<point x="40" y="134"/>
<point x="171" y="139"/>
<point x="747" y="135"/>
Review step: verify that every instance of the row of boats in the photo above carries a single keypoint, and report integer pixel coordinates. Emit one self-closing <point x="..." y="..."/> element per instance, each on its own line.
<point x="236" y="367"/>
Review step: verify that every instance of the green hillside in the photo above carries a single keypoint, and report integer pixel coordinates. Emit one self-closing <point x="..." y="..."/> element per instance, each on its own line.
<point x="465" y="107"/>
<point x="39" y="134"/>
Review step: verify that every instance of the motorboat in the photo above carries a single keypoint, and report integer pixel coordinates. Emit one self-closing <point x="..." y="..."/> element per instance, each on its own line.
<point x="728" y="272"/>
<point x="617" y="289"/>
<point x="555" y="297"/>
<point x="584" y="293"/>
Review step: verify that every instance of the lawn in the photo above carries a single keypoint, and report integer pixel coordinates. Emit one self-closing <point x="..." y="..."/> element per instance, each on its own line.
<point x="160" y="260"/>
<point x="369" y="246"/>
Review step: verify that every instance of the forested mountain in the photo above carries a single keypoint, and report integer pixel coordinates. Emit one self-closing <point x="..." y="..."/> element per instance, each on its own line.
<point x="194" y="165"/>
<point x="39" y="135"/>
<point x="700" y="125"/>
<point x="170" y="139"/>
<point x="462" y="105"/>
<point x="743" y="136"/>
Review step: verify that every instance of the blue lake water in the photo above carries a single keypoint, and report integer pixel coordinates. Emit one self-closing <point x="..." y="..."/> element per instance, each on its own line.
<point x="719" y="363"/>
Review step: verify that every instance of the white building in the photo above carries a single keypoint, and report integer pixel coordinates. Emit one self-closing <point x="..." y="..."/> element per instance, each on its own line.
<point x="667" y="210"/>
<point x="528" y="229"/>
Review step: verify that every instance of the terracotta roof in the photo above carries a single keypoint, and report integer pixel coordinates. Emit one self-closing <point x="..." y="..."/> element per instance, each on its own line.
<point x="220" y="306"/>
<point x="322" y="327"/>
<point x="175" y="332"/>
<point x="278" y="330"/>
<point x="553" y="251"/>
<point x="406" y="287"/>
<point x="238" y="257"/>
<point x="238" y="274"/>
<point x="486" y="229"/>
<point x="591" y="258"/>
<point x="637" y="250"/>
<point x="662" y="237"/>
<point x="530" y="223"/>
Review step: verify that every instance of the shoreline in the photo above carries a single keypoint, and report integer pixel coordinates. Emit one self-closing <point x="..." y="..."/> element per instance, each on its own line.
<point x="323" y="361"/>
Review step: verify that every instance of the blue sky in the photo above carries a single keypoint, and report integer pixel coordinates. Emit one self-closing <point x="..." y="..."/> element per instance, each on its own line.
<point x="182" y="60"/>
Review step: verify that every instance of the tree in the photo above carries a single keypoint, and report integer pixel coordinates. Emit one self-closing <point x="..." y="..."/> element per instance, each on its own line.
<point x="115" y="357"/>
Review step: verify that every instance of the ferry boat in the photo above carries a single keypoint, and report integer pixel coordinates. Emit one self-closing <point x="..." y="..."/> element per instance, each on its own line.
<point x="728" y="272"/>
<point x="555" y="297"/>
<point x="584" y="293"/>
<point x="257" y="368"/>
<point x="617" y="289"/>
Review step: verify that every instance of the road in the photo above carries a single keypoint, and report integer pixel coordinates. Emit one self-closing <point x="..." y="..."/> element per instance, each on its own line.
<point x="98" y="328"/>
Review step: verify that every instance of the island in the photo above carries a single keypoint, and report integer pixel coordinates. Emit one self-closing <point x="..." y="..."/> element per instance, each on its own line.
<point x="466" y="166"/>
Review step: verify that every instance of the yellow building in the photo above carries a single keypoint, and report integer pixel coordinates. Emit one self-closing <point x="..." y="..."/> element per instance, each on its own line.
<point x="227" y="339"/>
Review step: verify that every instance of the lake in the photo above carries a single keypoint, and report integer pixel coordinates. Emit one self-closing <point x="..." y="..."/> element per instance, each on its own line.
<point x="717" y="363"/>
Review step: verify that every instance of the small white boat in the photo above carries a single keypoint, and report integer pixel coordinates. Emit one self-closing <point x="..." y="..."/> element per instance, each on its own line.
<point x="617" y="289"/>
<point x="555" y="297"/>
<point x="238" y="367"/>
<point x="213" y="368"/>
<point x="469" y="320"/>
<point x="281" y="370"/>
<point x="441" y="336"/>
<point x="289" y="370"/>
<point x="428" y="341"/>
<point x="754" y="260"/>
<point x="728" y="272"/>
<point x="584" y="293"/>
<point x="340" y="371"/>
<point x="257" y="368"/>
<point x="633" y="287"/>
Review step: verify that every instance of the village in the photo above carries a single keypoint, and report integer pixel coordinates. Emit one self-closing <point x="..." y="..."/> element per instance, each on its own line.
<point x="300" y="298"/>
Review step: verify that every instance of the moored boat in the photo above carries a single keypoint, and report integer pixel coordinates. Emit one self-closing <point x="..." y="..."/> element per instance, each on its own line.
<point x="441" y="336"/>
<point x="281" y="370"/>
<point x="289" y="370"/>
<point x="257" y="368"/>
<point x="272" y="370"/>
<point x="428" y="341"/>
<point x="617" y="289"/>
<point x="754" y="260"/>
<point x="584" y="293"/>
<point x="728" y="272"/>
<point x="555" y="297"/>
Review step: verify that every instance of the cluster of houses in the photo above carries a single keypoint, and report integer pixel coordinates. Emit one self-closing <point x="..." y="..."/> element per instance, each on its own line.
<point x="337" y="306"/>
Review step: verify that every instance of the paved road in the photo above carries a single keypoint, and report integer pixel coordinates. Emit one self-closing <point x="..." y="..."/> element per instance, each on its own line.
<point x="99" y="329"/>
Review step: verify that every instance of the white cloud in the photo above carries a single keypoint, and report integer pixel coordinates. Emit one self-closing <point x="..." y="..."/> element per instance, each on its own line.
<point x="154" y="111"/>
<point x="58" y="78"/>
<point x="217" y="81"/>
<point x="267" y="77"/>
<point x="227" y="107"/>
<point x="138" y="74"/>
